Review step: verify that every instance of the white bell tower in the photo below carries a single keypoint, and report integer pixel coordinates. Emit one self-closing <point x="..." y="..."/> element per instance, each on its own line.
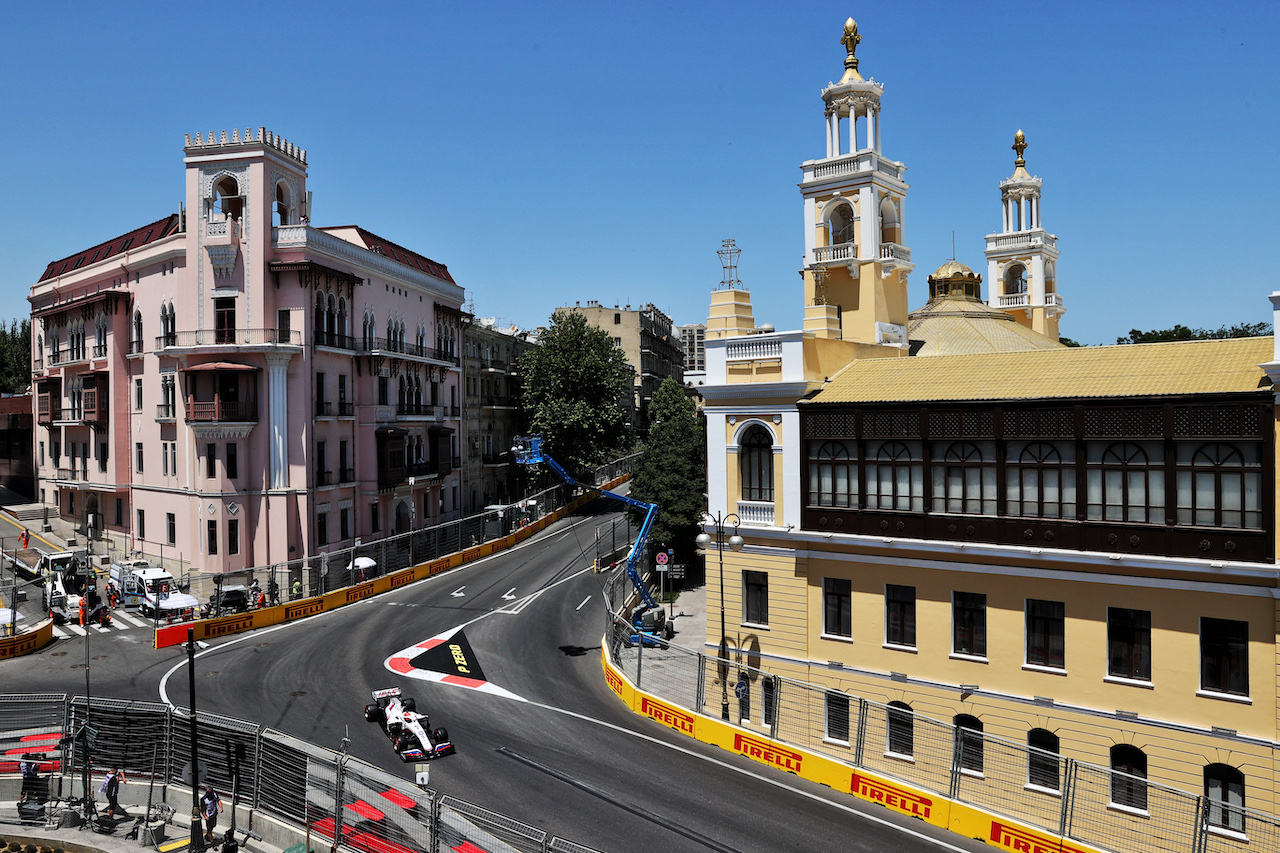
<point x="1022" y="259"/>
<point x="856" y="263"/>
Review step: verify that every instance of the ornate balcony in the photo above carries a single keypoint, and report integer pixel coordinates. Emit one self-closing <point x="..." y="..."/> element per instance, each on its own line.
<point x="221" y="411"/>
<point x="200" y="338"/>
<point x="166" y="412"/>
<point x="840" y="253"/>
<point x="756" y="512"/>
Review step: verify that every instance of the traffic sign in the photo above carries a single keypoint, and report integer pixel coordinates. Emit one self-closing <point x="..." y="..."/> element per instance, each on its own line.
<point x="677" y="571"/>
<point x="201" y="773"/>
<point x="740" y="689"/>
<point x="662" y="558"/>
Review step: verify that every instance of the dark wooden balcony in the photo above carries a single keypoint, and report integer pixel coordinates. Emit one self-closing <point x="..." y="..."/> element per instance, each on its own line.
<point x="219" y="410"/>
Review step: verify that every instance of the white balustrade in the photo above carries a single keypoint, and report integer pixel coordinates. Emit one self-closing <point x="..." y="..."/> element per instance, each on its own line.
<point x="756" y="512"/>
<point x="1014" y="300"/>
<point x="749" y="349"/>
<point x="838" y="252"/>
<point x="893" y="251"/>
<point x="1053" y="299"/>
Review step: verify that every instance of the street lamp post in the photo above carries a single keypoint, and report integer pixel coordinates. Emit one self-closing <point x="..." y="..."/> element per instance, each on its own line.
<point x="736" y="542"/>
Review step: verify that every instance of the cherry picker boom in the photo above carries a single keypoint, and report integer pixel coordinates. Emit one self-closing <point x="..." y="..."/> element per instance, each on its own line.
<point x="649" y="622"/>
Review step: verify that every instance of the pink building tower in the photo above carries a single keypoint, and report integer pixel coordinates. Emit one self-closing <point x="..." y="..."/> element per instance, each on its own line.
<point x="259" y="390"/>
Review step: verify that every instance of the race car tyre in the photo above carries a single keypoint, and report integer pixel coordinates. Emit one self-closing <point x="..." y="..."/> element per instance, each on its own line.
<point x="409" y="704"/>
<point x="441" y="735"/>
<point x="373" y="713"/>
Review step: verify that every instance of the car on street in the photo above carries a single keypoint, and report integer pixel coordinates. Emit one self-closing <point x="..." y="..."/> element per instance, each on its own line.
<point x="407" y="729"/>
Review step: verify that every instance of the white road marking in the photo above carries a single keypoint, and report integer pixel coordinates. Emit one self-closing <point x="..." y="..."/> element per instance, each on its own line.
<point x="76" y="629"/>
<point x="509" y="595"/>
<point x="583" y="604"/>
<point x="515" y="609"/>
<point x="458" y="593"/>
<point x="131" y="621"/>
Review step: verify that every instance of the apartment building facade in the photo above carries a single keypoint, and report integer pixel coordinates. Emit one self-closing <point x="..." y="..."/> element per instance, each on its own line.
<point x="235" y="386"/>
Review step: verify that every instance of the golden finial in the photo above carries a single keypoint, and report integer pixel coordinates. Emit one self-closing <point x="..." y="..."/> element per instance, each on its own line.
<point x="1020" y="145"/>
<point x="850" y="42"/>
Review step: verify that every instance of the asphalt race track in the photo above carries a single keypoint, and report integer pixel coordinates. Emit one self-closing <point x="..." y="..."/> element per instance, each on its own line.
<point x="548" y="744"/>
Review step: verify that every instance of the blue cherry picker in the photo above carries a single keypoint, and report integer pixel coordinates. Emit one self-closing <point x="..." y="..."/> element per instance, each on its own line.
<point x="649" y="622"/>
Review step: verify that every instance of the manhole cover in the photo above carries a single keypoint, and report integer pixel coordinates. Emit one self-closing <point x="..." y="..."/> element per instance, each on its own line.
<point x="57" y="654"/>
<point x="298" y="693"/>
<point x="77" y="666"/>
<point x="99" y="657"/>
<point x="260" y="645"/>
<point x="207" y="674"/>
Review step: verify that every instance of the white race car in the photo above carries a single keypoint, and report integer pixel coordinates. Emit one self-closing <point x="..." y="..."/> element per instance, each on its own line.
<point x="409" y="731"/>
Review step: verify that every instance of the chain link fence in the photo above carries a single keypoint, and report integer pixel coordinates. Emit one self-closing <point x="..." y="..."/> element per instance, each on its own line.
<point x="1094" y="805"/>
<point x="329" y="794"/>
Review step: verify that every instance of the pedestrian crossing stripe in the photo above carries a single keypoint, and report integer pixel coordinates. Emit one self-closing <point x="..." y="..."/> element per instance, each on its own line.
<point x="119" y="622"/>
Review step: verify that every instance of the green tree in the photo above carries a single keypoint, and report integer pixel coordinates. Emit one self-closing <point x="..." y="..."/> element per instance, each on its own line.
<point x="572" y="386"/>
<point x="15" y="356"/>
<point x="1182" y="333"/>
<point x="672" y="473"/>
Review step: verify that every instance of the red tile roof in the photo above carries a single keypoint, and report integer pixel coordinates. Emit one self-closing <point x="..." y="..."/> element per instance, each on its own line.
<point x="132" y="240"/>
<point x="399" y="253"/>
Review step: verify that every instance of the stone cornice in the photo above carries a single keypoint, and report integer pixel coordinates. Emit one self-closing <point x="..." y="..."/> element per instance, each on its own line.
<point x="221" y="430"/>
<point x="306" y="237"/>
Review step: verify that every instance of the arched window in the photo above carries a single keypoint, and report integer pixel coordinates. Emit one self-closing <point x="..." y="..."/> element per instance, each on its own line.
<point x="370" y="331"/>
<point x="1042" y="759"/>
<point x="331" y="319"/>
<point x="1123" y="484"/>
<point x="901" y="726"/>
<point x="1040" y="480"/>
<point x="1129" y="777"/>
<point x="889" y="224"/>
<point x="401" y="394"/>
<point x="226" y="202"/>
<point x="833" y="473"/>
<point x="1219" y="485"/>
<point x="1015" y="279"/>
<point x="964" y="479"/>
<point x="137" y="333"/>
<point x="842" y="224"/>
<point x="342" y="318"/>
<point x="895" y="476"/>
<point x="755" y="456"/>
<point x="283" y="213"/>
<point x="969" y="748"/>
<point x="1224" y="792"/>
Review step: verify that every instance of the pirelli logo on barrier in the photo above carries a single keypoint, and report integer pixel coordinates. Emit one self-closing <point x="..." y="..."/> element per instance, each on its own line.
<point x="614" y="681"/>
<point x="665" y="714"/>
<point x="438" y="566"/>
<point x="401" y="579"/>
<point x="768" y="752"/>
<point x="891" y="796"/>
<point x="1022" y="840"/>
<point x="20" y="645"/>
<point x="471" y="554"/>
<point x="355" y="593"/>
<point x="230" y="625"/>
<point x="297" y="611"/>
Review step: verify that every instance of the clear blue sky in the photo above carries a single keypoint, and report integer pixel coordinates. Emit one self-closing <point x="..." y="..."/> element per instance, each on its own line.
<point x="589" y="150"/>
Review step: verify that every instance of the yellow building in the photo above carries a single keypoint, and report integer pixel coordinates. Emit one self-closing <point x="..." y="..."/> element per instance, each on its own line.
<point x="949" y="513"/>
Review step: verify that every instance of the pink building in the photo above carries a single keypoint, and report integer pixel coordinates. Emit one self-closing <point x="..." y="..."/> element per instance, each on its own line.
<point x="235" y="386"/>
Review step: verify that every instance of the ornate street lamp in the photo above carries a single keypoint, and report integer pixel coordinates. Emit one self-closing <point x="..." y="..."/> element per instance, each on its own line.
<point x="736" y="542"/>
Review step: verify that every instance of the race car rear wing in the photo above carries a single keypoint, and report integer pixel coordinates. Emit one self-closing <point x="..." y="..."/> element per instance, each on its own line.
<point x="383" y="694"/>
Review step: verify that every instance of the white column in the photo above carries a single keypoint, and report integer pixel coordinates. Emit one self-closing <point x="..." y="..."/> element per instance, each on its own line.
<point x="993" y="282"/>
<point x="852" y="131"/>
<point x="1037" y="203"/>
<point x="878" y="149"/>
<point x="871" y="129"/>
<point x="1004" y="208"/>
<point x="869" y="214"/>
<point x="791" y="471"/>
<point x="830" y="135"/>
<point x="717" y="463"/>
<point x="1022" y="214"/>
<point x="278" y="406"/>
<point x="1036" y="285"/>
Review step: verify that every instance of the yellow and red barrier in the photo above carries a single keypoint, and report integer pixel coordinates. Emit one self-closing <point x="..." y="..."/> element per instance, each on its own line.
<point x="27" y="642"/>
<point x="204" y="629"/>
<point x="1001" y="832"/>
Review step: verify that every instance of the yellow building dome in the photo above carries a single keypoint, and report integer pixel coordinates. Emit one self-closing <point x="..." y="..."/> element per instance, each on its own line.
<point x="950" y="268"/>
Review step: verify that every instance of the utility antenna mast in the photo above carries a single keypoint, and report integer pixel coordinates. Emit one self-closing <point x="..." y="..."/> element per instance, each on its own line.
<point x="729" y="253"/>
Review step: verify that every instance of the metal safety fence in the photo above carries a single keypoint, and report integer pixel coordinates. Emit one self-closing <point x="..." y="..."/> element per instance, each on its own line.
<point x="1095" y="805"/>
<point x="330" y="795"/>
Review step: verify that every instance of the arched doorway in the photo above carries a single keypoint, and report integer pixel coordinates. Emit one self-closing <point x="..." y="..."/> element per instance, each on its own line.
<point x="402" y="517"/>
